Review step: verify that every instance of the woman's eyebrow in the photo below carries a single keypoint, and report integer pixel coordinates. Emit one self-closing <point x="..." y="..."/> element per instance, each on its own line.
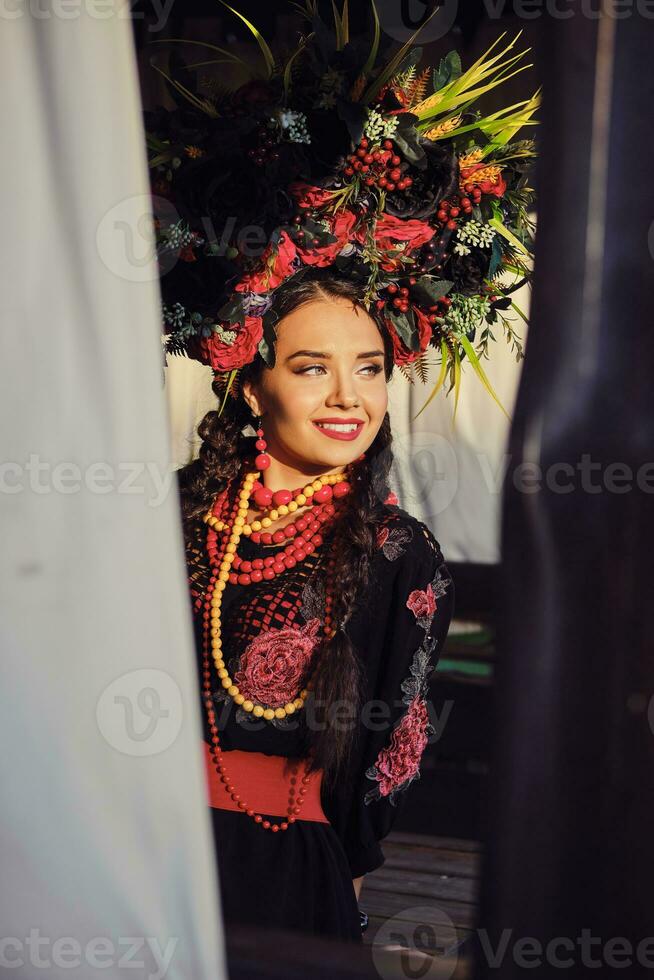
<point x="326" y="355"/>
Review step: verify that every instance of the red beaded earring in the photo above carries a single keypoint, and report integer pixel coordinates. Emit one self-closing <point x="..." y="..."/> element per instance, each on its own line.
<point x="262" y="461"/>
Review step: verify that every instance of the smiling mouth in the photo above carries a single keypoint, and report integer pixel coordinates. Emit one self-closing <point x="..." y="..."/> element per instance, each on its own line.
<point x="339" y="426"/>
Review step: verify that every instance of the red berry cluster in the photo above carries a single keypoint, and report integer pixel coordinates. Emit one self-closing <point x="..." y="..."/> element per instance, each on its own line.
<point x="266" y="149"/>
<point x="303" y="237"/>
<point x="380" y="166"/>
<point x="439" y="309"/>
<point x="400" y="298"/>
<point x="448" y="211"/>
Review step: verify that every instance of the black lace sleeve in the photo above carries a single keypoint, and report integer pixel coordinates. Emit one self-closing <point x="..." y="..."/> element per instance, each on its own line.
<point x="403" y="642"/>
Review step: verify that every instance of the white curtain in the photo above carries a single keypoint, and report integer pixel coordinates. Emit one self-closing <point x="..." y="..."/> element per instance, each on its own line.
<point x="106" y="851"/>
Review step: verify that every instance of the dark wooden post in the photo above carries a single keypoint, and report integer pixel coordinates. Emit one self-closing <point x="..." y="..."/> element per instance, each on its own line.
<point x="571" y="845"/>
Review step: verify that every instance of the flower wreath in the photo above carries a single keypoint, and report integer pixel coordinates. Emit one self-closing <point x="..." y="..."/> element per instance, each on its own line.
<point x="342" y="156"/>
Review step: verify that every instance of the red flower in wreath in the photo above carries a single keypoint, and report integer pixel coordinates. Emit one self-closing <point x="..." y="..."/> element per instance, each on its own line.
<point x="278" y="263"/>
<point x="308" y="196"/>
<point x="224" y="356"/>
<point x="401" y="760"/>
<point x="401" y="353"/>
<point x="422" y="602"/>
<point x="341" y="226"/>
<point x="390" y="230"/>
<point x="272" y="665"/>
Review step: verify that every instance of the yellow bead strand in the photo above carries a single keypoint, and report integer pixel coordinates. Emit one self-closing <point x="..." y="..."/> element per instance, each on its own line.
<point x="277" y="512"/>
<point x="258" y="710"/>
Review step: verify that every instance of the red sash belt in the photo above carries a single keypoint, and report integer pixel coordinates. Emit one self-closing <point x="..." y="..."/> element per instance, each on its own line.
<point x="263" y="782"/>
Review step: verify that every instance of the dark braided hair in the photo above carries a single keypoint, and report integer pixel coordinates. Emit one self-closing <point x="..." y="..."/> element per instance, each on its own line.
<point x="337" y="678"/>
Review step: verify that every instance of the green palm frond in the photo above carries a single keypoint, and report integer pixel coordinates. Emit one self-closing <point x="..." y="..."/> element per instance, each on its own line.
<point x="290" y="64"/>
<point x="372" y="57"/>
<point x="265" y="49"/>
<point x="391" y="67"/>
<point x="483" y="76"/>
<point x="212" y="47"/>
<point x="204" y="105"/>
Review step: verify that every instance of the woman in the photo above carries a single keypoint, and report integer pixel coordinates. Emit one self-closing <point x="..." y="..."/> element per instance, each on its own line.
<point x="333" y="216"/>
<point x="318" y="656"/>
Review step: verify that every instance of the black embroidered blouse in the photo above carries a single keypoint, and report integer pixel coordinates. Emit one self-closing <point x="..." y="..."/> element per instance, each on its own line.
<point x="303" y="878"/>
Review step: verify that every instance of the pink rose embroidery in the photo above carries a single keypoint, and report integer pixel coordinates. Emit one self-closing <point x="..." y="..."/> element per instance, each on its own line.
<point x="272" y="665"/>
<point x="400" y="761"/>
<point x="422" y="603"/>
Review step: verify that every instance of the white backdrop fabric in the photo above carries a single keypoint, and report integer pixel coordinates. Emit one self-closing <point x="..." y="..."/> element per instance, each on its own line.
<point x="106" y="850"/>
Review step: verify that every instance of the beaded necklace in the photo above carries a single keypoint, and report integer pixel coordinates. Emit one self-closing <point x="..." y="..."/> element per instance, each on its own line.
<point x="222" y="555"/>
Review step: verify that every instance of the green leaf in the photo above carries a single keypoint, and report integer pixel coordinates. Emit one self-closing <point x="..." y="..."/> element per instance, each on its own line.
<point x="405" y="327"/>
<point x="230" y="381"/>
<point x="265" y="50"/>
<point x="267" y="342"/>
<point x="433" y="289"/>
<point x="441" y="378"/>
<point x="474" y="360"/>
<point x="233" y="311"/>
<point x="372" y="57"/>
<point x="447" y="71"/>
<point x="205" y="44"/>
<point x="496" y="257"/>
<point x="505" y="233"/>
<point x="408" y="142"/>
<point x="392" y="66"/>
<point x="289" y="65"/>
<point x="519" y="311"/>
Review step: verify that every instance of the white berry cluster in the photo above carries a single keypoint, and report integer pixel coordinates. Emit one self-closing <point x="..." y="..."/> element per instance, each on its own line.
<point x="227" y="336"/>
<point x="178" y="235"/>
<point x="295" y="126"/>
<point x="467" y="312"/>
<point x="377" y="128"/>
<point x="473" y="233"/>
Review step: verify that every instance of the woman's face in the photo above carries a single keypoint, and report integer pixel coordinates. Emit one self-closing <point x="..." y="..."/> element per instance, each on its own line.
<point x="329" y="365"/>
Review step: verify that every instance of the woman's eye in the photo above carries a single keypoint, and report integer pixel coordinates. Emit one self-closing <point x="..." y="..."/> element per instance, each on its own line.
<point x="310" y="368"/>
<point x="372" y="368"/>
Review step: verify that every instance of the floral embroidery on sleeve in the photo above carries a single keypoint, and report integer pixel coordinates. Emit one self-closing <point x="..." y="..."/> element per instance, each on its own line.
<point x="398" y="764"/>
<point x="393" y="541"/>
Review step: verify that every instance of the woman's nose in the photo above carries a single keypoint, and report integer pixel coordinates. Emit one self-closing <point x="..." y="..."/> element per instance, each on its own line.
<point x="344" y="394"/>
